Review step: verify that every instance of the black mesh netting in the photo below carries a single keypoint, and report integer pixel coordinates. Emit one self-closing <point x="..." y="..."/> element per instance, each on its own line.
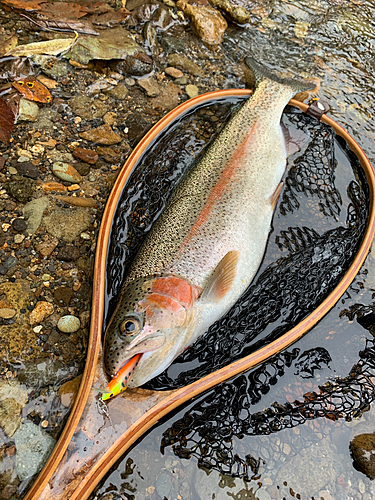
<point x="317" y="229"/>
<point x="207" y="430"/>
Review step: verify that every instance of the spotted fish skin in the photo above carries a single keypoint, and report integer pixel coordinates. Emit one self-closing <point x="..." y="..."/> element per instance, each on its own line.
<point x="205" y="248"/>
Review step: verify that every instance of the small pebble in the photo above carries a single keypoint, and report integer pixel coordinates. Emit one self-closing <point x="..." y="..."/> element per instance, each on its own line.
<point x="38" y="329"/>
<point x="19" y="238"/>
<point x="173" y="72"/>
<point x="7" y="313"/>
<point x="41" y="311"/>
<point x="45" y="424"/>
<point x="66" y="172"/>
<point x="192" y="91"/>
<point x="12" y="171"/>
<point x="87" y="155"/>
<point x="68" y="324"/>
<point x="19" y="225"/>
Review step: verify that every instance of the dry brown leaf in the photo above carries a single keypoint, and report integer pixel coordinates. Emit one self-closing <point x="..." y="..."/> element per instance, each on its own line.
<point x="48" y="82"/>
<point x="50" y="47"/>
<point x="24" y="4"/>
<point x="6" y="122"/>
<point x="110" y="19"/>
<point x="63" y="24"/>
<point x="8" y="44"/>
<point x="61" y="9"/>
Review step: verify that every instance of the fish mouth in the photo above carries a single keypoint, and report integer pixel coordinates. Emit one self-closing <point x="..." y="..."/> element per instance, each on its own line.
<point x="144" y="347"/>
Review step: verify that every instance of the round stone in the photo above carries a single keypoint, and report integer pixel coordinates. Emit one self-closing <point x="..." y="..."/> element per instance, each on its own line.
<point x="68" y="324"/>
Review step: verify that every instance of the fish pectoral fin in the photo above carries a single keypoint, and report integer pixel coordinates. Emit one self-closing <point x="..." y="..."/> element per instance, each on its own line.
<point x="222" y="278"/>
<point x="275" y="195"/>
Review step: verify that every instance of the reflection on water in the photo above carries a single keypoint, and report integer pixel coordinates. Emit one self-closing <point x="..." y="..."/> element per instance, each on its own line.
<point x="310" y="457"/>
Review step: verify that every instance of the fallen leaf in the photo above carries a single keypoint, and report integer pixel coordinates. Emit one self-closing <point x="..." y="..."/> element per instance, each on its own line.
<point x="109" y="19"/>
<point x="8" y="44"/>
<point x="61" y="9"/>
<point x="6" y="122"/>
<point x="96" y="8"/>
<point x="24" y="4"/>
<point x="13" y="103"/>
<point x="48" y="82"/>
<point x="32" y="89"/>
<point x="50" y="47"/>
<point x="84" y="27"/>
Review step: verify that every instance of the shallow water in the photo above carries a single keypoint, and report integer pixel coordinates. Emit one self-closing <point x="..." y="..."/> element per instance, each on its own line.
<point x="335" y="42"/>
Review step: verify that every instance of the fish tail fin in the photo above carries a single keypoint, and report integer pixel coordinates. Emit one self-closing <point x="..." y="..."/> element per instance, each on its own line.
<point x="262" y="73"/>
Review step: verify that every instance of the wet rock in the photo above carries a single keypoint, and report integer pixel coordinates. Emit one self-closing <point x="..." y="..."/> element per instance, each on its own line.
<point x="137" y="126"/>
<point x="7" y="313"/>
<point x="172" y="44"/>
<point x="67" y="224"/>
<point x="84" y="318"/>
<point x="192" y="91"/>
<point x="54" y="67"/>
<point x="46" y="119"/>
<point x="319" y="459"/>
<point x="33" y="213"/>
<point x="63" y="295"/>
<point x="139" y="65"/>
<point x="149" y="36"/>
<point x="78" y="201"/>
<point x="182" y="80"/>
<point x="362" y="448"/>
<point x="162" y="18"/>
<point x="27" y="169"/>
<point x="10" y="418"/>
<point x="45" y="248"/>
<point x="110" y="118"/>
<point x="19" y="238"/>
<point x="33" y="449"/>
<point x="173" y="72"/>
<point x="86" y="155"/>
<point x="19" y="225"/>
<point x="89" y="109"/>
<point x="150" y="86"/>
<point x="119" y="92"/>
<point x="82" y="168"/>
<point x="13" y="389"/>
<point x="164" y="484"/>
<point x="235" y="13"/>
<point x="185" y="64"/>
<point x="102" y="135"/>
<point x="28" y="111"/>
<point x="48" y="187"/>
<point x="69" y="324"/>
<point x="68" y="254"/>
<point x="20" y="188"/>
<point x="40" y="312"/>
<point x="66" y="172"/>
<point x="169" y="97"/>
<point x="207" y="23"/>
<point x="42" y="372"/>
<point x="68" y="391"/>
<point x="111" y="155"/>
<point x="112" y="44"/>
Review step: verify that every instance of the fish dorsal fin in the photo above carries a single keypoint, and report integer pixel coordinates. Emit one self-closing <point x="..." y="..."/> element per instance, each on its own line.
<point x="222" y="278"/>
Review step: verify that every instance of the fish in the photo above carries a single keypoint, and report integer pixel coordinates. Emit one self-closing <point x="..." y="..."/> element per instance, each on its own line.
<point x="207" y="245"/>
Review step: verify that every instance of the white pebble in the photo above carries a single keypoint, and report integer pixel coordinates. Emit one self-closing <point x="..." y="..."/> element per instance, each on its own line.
<point x="68" y="324"/>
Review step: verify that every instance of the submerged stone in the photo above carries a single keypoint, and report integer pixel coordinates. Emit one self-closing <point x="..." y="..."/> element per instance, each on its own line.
<point x="44" y="371"/>
<point x="34" y="446"/>
<point x="362" y="448"/>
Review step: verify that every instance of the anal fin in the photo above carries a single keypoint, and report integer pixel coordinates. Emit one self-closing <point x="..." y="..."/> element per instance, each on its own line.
<point x="222" y="278"/>
<point x="275" y="195"/>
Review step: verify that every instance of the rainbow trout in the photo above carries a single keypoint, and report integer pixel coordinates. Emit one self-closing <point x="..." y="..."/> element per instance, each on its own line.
<point x="207" y="245"/>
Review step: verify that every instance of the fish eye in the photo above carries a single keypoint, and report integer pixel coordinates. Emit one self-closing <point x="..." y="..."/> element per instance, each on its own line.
<point x="130" y="326"/>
